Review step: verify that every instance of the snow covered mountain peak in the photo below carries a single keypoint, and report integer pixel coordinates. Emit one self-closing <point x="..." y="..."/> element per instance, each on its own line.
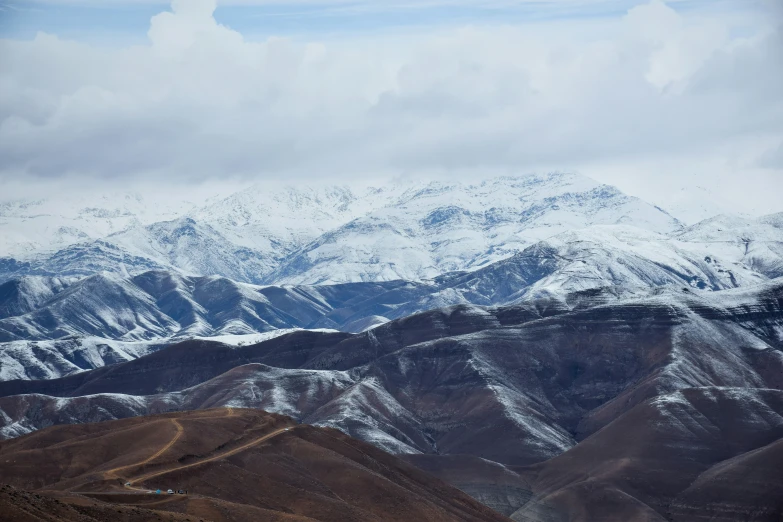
<point x="257" y="202"/>
<point x="320" y="234"/>
<point x="284" y="219"/>
<point x="523" y="187"/>
<point x="441" y="227"/>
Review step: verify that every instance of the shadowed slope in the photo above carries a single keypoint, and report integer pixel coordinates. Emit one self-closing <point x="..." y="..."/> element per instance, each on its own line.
<point x="744" y="486"/>
<point x="669" y="457"/>
<point x="18" y="505"/>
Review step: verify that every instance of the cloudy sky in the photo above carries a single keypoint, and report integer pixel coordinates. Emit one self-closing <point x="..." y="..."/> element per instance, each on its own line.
<point x="651" y="96"/>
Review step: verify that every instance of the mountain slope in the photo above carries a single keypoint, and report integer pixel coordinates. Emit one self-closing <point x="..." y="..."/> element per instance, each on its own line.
<point x="546" y="391"/>
<point x="638" y="465"/>
<point x="55" y="358"/>
<point x="104" y="304"/>
<point x="24" y="295"/>
<point x="755" y="244"/>
<point x="446" y="380"/>
<point x="736" y="486"/>
<point x="27" y="506"/>
<point x="301" y="471"/>
<point x="574" y="269"/>
<point x="624" y="258"/>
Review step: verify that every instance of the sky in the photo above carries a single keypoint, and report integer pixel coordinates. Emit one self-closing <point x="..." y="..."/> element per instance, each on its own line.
<point x="657" y="98"/>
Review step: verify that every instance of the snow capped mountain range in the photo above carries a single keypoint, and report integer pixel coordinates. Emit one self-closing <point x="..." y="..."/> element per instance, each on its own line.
<point x="445" y="227"/>
<point x="56" y="326"/>
<point x="514" y="323"/>
<point x="317" y="235"/>
<point x="347" y="260"/>
<point x="29" y="228"/>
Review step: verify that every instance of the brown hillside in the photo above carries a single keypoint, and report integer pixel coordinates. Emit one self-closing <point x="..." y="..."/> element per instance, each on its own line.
<point x="236" y="464"/>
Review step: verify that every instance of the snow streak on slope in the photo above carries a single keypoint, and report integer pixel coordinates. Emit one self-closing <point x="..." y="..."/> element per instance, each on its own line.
<point x="51" y="359"/>
<point x="57" y="358"/>
<point x="571" y="270"/>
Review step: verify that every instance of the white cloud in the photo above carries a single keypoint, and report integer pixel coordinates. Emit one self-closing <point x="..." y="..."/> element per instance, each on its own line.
<point x="200" y="101"/>
<point x="773" y="158"/>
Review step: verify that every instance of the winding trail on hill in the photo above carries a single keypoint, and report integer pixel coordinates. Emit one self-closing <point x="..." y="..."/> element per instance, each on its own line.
<point x="114" y="473"/>
<point x="131" y="483"/>
<point x="226" y="454"/>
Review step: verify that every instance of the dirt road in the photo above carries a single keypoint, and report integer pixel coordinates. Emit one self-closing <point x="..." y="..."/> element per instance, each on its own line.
<point x="114" y="473"/>
<point x="210" y="459"/>
<point x="130" y="481"/>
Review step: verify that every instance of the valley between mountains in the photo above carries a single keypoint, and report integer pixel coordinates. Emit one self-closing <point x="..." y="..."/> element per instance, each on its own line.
<point x="541" y="349"/>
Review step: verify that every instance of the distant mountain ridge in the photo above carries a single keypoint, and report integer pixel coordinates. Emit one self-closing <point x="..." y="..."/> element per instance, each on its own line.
<point x="408" y="231"/>
<point x="444" y="227"/>
<point x="324" y="235"/>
